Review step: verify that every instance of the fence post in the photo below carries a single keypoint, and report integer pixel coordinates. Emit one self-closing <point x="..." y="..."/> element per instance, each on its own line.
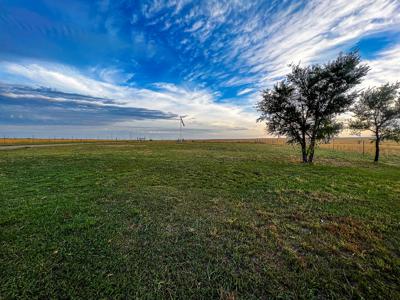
<point x="363" y="147"/>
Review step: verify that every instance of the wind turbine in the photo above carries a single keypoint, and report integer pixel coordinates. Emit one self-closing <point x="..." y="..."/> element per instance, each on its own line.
<point x="181" y="123"/>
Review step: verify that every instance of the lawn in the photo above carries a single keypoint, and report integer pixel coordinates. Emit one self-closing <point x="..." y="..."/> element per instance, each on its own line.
<point x="197" y="221"/>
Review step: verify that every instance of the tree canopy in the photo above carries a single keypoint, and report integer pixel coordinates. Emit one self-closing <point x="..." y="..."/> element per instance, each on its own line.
<point x="303" y="106"/>
<point x="378" y="111"/>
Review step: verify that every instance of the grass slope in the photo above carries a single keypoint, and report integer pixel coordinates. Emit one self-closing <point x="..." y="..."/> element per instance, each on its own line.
<point x="197" y="220"/>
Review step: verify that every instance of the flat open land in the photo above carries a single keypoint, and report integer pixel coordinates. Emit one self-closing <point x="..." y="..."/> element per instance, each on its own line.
<point x="197" y="221"/>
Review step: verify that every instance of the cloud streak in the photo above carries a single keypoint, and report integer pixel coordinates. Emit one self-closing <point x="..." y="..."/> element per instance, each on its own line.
<point x="384" y="68"/>
<point x="257" y="49"/>
<point x="40" y="106"/>
<point x="198" y="104"/>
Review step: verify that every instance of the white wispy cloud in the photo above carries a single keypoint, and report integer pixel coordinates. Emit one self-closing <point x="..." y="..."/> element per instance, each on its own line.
<point x="245" y="91"/>
<point x="198" y="104"/>
<point x="314" y="33"/>
<point x="384" y="68"/>
<point x="113" y="75"/>
<point x="259" y="41"/>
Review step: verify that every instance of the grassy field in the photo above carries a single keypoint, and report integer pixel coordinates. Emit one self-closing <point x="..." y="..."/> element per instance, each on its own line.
<point x="197" y="221"/>
<point x="359" y="145"/>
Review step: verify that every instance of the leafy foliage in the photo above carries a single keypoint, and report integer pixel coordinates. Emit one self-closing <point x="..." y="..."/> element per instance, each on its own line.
<point x="304" y="105"/>
<point x="379" y="111"/>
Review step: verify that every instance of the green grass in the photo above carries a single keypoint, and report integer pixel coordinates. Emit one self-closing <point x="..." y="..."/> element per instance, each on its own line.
<point x="197" y="220"/>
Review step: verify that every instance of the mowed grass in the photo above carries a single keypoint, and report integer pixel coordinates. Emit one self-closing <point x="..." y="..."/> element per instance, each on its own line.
<point x="197" y="221"/>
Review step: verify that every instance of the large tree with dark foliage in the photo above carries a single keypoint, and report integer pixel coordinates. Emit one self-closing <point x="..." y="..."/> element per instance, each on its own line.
<point x="303" y="107"/>
<point x="378" y="110"/>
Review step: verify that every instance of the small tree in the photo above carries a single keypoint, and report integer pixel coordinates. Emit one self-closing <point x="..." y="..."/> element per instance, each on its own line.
<point x="378" y="110"/>
<point x="304" y="105"/>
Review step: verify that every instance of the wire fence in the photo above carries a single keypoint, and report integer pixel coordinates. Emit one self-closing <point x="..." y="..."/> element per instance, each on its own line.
<point x="30" y="141"/>
<point x="364" y="146"/>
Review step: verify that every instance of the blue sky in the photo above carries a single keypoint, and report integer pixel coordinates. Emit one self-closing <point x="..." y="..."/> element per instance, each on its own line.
<point x="129" y="68"/>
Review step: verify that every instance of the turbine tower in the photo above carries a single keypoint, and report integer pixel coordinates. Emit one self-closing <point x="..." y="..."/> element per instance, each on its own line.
<point x="181" y="123"/>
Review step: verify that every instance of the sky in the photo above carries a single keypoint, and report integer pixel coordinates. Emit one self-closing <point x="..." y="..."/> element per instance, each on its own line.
<point x="127" y="69"/>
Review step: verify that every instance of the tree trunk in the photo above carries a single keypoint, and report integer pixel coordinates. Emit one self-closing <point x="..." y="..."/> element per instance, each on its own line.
<point x="377" y="143"/>
<point x="304" y="153"/>
<point x="311" y="151"/>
